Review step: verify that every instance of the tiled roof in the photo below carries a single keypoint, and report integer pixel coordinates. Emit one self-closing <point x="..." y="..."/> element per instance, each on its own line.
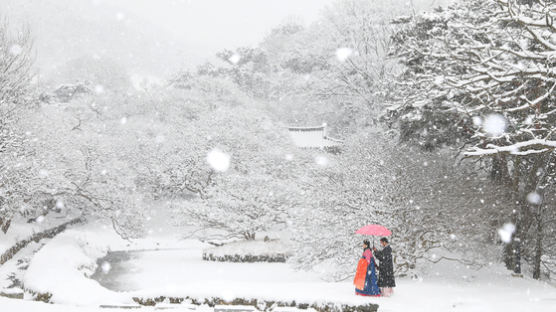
<point x="312" y="137"/>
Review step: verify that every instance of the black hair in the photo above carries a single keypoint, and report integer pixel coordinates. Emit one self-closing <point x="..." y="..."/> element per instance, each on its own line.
<point x="367" y="243"/>
<point x="384" y="239"/>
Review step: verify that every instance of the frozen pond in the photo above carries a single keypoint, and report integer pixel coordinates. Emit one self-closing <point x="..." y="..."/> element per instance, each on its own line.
<point x="118" y="261"/>
<point x="126" y="266"/>
<point x="168" y="269"/>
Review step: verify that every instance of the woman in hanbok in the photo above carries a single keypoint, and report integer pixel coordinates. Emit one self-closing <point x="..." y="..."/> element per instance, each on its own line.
<point x="365" y="277"/>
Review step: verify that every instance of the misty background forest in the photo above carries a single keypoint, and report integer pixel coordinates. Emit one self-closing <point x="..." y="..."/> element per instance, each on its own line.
<point x="120" y="133"/>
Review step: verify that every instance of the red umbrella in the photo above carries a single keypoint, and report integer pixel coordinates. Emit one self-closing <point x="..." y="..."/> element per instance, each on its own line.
<point x="374" y="230"/>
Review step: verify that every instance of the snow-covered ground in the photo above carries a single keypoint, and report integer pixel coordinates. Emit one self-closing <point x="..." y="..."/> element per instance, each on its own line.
<point x="177" y="270"/>
<point x="181" y="273"/>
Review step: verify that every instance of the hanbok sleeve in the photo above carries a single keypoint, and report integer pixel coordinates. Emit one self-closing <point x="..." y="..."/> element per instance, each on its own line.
<point x="367" y="254"/>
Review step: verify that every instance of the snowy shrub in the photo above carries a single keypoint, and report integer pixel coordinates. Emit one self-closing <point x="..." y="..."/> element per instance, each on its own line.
<point x="249" y="251"/>
<point x="247" y="304"/>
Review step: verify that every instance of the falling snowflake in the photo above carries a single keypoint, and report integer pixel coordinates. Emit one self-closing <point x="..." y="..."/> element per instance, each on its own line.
<point x="160" y="139"/>
<point x="120" y="16"/>
<point x="477" y="121"/>
<point x="16" y="49"/>
<point x="123" y="121"/>
<point x="453" y="236"/>
<point x="99" y="89"/>
<point x="342" y="54"/>
<point x="506" y="232"/>
<point x="59" y="204"/>
<point x="43" y="173"/>
<point x="495" y="125"/>
<point x="106" y="267"/>
<point x="289" y="157"/>
<point x="40" y="219"/>
<point x="321" y="160"/>
<point x="529" y="119"/>
<point x="234" y="59"/>
<point x="218" y="160"/>
<point x="534" y="198"/>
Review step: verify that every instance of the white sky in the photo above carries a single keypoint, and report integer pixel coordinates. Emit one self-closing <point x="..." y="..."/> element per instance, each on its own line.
<point x="223" y="22"/>
<point x="153" y="36"/>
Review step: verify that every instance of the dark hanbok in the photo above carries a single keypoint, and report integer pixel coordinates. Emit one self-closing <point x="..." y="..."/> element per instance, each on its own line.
<point x="386" y="278"/>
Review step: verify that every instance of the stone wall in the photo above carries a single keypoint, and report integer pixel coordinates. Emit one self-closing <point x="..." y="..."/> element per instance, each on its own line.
<point x="245" y="258"/>
<point x="261" y="305"/>
<point x="50" y="233"/>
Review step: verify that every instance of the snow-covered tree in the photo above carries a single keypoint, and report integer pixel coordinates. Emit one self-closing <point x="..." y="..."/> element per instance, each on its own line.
<point x="248" y="187"/>
<point x="342" y="79"/>
<point x="101" y="74"/>
<point x="86" y="157"/>
<point x="480" y="74"/>
<point x="427" y="202"/>
<point x="15" y="97"/>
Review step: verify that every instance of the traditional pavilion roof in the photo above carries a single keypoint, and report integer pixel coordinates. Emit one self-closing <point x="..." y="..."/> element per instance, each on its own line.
<point x="313" y="137"/>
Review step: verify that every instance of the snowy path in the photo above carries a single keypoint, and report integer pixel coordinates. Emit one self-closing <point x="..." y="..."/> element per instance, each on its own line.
<point x="182" y="272"/>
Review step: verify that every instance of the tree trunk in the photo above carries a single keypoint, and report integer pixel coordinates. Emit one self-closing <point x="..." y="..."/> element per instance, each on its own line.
<point x="517" y="250"/>
<point x="509" y="256"/>
<point x="517" y="240"/>
<point x="538" y="251"/>
<point x="499" y="171"/>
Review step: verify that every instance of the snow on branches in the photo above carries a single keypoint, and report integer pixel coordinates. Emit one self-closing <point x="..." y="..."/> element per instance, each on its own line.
<point x="259" y="187"/>
<point x="15" y="79"/>
<point x="477" y="58"/>
<point x="482" y="75"/>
